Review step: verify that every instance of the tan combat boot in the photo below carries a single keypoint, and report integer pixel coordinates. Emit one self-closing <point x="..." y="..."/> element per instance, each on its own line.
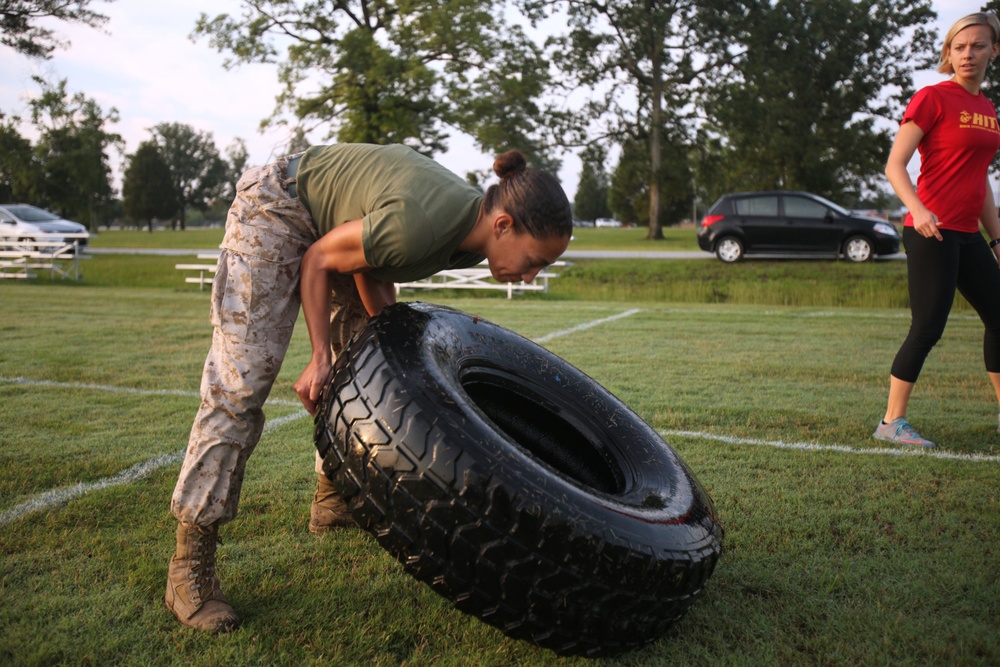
<point x="193" y="591"/>
<point x="328" y="511"/>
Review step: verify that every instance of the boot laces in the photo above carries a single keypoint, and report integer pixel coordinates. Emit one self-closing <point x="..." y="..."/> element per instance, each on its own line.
<point x="203" y="574"/>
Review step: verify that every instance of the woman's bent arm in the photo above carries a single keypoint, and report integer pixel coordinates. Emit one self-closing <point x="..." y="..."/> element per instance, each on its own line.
<point x="339" y="251"/>
<point x="925" y="222"/>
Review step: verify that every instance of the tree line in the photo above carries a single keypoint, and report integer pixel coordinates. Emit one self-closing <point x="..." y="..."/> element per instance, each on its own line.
<point x="177" y="170"/>
<point x="694" y="98"/>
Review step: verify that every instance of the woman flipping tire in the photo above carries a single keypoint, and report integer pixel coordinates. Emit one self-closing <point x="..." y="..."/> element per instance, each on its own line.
<point x="513" y="484"/>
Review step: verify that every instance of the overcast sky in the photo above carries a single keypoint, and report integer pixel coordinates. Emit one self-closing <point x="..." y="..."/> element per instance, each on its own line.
<point x="145" y="65"/>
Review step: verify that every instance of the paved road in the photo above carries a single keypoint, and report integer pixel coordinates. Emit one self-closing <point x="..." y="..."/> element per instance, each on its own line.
<point x="684" y="254"/>
<point x="635" y="254"/>
<point x="569" y="254"/>
<point x="173" y="252"/>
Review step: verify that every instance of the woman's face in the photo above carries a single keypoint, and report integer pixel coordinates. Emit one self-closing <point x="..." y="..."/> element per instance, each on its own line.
<point x="971" y="51"/>
<point x="514" y="256"/>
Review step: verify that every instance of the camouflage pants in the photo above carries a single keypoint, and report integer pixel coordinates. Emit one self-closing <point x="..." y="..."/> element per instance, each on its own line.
<point x="255" y="302"/>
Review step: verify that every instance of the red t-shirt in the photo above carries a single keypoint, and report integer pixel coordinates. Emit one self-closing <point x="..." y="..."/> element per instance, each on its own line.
<point x="961" y="136"/>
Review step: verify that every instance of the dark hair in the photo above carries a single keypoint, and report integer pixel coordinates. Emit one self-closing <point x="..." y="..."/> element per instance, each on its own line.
<point x="532" y="197"/>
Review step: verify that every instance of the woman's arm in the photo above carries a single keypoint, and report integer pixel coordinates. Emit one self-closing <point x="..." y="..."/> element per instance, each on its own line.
<point x="908" y="138"/>
<point x="375" y="294"/>
<point x="339" y="251"/>
<point x="989" y="218"/>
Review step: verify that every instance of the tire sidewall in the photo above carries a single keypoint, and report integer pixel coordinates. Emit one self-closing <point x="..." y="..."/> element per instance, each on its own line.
<point x="851" y="256"/>
<point x="659" y="489"/>
<point x="723" y="253"/>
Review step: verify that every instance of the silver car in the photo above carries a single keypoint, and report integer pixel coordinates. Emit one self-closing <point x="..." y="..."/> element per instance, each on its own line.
<point x="21" y="223"/>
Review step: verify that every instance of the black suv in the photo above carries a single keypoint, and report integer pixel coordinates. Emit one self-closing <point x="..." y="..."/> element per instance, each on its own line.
<point x="780" y="222"/>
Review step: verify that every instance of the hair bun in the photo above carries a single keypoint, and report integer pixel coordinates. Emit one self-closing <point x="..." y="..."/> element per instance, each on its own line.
<point x="509" y="163"/>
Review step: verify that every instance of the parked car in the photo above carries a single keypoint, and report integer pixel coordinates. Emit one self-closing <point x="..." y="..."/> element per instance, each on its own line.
<point x="22" y="222"/>
<point x="781" y="222"/>
<point x="607" y="222"/>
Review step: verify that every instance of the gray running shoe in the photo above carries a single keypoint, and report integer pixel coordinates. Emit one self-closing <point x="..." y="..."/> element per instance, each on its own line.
<point x="899" y="432"/>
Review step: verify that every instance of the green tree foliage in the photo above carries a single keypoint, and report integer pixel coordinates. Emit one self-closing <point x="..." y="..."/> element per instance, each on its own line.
<point x="639" y="62"/>
<point x="712" y="174"/>
<point x="237" y="157"/>
<point x="72" y="153"/>
<point x="798" y="104"/>
<point x="298" y="142"/>
<point x="991" y="87"/>
<point x="394" y="72"/>
<point x="501" y="108"/>
<point x="147" y="187"/>
<point x="629" y="193"/>
<point x="236" y="163"/>
<point x="18" y="169"/>
<point x="197" y="171"/>
<point x="22" y="23"/>
<point x="591" y="201"/>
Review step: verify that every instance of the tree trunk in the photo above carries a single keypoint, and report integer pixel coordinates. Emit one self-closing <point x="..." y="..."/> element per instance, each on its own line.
<point x="655" y="230"/>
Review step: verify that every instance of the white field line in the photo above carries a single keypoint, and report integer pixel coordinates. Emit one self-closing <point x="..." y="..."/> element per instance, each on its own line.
<point x="587" y="325"/>
<point x="144" y="469"/>
<point x="816" y="447"/>
<point x="141" y="470"/>
<point x="874" y="316"/>
<point x="833" y="314"/>
<point x="122" y="390"/>
<point x="57" y="496"/>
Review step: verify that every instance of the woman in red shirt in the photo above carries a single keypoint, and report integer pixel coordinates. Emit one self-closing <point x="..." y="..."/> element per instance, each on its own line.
<point x="955" y="129"/>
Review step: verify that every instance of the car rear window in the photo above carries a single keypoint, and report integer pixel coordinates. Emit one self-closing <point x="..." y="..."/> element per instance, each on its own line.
<point x="800" y="207"/>
<point x="757" y="206"/>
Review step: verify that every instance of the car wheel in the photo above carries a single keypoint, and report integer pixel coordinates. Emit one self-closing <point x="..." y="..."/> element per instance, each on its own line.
<point x="858" y="249"/>
<point x="513" y="484"/>
<point x="729" y="249"/>
<point x="22" y="244"/>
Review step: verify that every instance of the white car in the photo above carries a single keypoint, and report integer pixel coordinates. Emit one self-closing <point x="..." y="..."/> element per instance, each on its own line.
<point x="21" y="222"/>
<point x="607" y="222"/>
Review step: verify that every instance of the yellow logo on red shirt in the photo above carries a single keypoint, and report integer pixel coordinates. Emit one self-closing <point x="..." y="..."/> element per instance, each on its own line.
<point x="978" y="121"/>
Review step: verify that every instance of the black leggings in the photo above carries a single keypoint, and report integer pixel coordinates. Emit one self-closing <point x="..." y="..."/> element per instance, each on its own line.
<point x="935" y="269"/>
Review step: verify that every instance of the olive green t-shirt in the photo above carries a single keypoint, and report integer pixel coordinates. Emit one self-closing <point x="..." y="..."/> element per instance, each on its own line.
<point x="414" y="212"/>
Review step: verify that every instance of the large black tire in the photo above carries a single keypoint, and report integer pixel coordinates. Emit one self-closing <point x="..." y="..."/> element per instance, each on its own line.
<point x="513" y="484"/>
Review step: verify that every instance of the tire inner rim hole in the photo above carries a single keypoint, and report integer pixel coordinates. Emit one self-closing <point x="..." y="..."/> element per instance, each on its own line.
<point x="544" y="433"/>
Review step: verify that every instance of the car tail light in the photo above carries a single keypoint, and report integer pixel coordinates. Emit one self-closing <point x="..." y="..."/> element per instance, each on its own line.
<point x="711" y="220"/>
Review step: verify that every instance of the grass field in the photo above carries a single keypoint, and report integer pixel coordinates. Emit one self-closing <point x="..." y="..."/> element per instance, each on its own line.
<point x="806" y="282"/>
<point x="584" y="238"/>
<point x="838" y="551"/>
